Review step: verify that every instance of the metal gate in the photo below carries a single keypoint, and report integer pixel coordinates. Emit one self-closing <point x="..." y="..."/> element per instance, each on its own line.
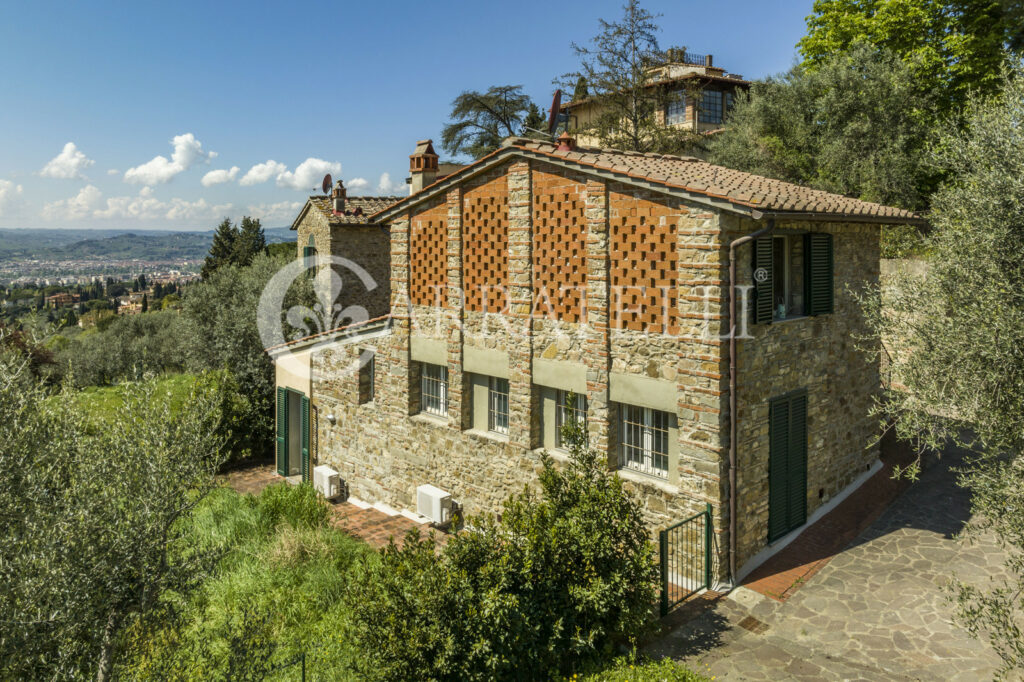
<point x="685" y="550"/>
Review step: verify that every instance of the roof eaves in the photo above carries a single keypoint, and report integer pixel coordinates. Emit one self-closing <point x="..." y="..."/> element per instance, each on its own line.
<point x="302" y="214"/>
<point x="347" y="333"/>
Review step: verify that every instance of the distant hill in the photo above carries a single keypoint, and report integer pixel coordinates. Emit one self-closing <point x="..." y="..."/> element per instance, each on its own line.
<point x="19" y="245"/>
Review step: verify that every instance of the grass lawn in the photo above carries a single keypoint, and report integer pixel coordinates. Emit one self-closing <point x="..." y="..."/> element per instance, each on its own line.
<point x="105" y="403"/>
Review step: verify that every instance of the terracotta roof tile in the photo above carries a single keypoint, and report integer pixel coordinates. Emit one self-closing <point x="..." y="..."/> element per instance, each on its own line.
<point x="364" y="206"/>
<point x="698" y="176"/>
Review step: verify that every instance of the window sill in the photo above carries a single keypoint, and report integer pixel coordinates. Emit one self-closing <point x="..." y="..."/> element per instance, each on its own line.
<point x="647" y="479"/>
<point x="791" y="318"/>
<point x="488" y="435"/>
<point x="426" y="418"/>
<point x="557" y="455"/>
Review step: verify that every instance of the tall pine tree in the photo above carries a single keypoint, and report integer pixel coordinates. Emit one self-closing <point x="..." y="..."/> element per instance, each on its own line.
<point x="250" y="241"/>
<point x="223" y="248"/>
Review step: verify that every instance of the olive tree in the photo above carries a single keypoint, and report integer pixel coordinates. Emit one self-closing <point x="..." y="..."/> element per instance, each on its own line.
<point x="91" y="532"/>
<point x="956" y="345"/>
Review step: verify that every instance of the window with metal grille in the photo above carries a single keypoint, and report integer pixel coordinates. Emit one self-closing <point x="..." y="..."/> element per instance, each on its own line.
<point x="367" y="372"/>
<point x="497" y="405"/>
<point x="644" y="438"/>
<point x="711" y="106"/>
<point x="434" y="389"/>
<point x="568" y="411"/>
<point x="675" y="110"/>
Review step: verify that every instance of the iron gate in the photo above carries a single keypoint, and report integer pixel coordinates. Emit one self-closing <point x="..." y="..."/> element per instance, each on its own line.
<point x="685" y="550"/>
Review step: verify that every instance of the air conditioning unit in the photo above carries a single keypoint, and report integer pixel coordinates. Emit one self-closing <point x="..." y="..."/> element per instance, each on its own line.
<point x="434" y="503"/>
<point x="327" y="481"/>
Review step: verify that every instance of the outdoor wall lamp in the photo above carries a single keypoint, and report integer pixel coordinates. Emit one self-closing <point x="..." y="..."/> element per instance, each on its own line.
<point x="332" y="419"/>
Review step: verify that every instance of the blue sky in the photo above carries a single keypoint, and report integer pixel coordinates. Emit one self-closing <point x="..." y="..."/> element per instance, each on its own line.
<point x="95" y="93"/>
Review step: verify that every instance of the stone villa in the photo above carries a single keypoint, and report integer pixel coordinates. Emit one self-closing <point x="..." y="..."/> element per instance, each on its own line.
<point x="546" y="270"/>
<point x="698" y="95"/>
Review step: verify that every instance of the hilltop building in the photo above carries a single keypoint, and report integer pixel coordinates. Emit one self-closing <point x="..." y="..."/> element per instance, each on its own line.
<point x="549" y="270"/>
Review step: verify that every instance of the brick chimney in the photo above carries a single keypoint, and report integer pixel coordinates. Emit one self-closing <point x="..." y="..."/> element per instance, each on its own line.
<point x="339" y="195"/>
<point x="422" y="165"/>
<point x="708" y="61"/>
<point x="565" y="143"/>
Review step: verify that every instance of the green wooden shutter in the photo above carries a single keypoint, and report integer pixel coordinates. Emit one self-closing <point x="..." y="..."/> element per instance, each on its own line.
<point x="778" y="465"/>
<point x="305" y="438"/>
<point x="763" y="289"/>
<point x="818" y="279"/>
<point x="282" y="431"/>
<point x="797" y="461"/>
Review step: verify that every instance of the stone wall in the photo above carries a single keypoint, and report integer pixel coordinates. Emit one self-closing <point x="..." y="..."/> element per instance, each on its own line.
<point x="366" y="245"/>
<point x="818" y="354"/>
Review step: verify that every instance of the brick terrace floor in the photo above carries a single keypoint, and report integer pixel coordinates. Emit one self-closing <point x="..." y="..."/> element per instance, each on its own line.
<point x="373" y="526"/>
<point x="783" y="574"/>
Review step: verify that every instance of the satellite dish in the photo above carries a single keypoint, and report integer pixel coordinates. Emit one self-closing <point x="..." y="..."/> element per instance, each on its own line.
<point x="327" y="184"/>
<point x="556" y="107"/>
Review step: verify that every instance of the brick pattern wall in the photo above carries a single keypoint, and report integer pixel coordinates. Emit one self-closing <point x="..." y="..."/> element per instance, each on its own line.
<point x="644" y="264"/>
<point x="428" y="255"/>
<point x="559" y="246"/>
<point x="485" y="244"/>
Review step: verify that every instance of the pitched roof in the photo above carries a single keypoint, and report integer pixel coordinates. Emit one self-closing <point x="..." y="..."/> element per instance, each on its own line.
<point x="357" y="209"/>
<point x="725" y="188"/>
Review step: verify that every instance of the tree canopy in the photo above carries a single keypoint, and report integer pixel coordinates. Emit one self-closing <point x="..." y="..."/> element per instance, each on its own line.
<point x="235" y="244"/>
<point x="616" y="76"/>
<point x="481" y="120"/>
<point x="955" y="337"/>
<point x="954" y="46"/>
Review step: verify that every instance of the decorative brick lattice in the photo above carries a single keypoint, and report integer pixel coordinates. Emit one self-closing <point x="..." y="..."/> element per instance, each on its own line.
<point x="485" y="246"/>
<point x="428" y="256"/>
<point x="559" y="247"/>
<point x="644" y="268"/>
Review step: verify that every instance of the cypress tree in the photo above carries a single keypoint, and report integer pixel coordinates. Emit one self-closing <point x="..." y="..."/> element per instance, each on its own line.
<point x="249" y="242"/>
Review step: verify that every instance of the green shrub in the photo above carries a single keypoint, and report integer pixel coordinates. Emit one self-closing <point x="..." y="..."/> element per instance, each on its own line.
<point x="631" y="669"/>
<point x="558" y="582"/>
<point x="297" y="505"/>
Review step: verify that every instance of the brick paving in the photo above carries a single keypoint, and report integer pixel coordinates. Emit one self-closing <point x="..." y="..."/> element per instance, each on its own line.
<point x="783" y="574"/>
<point x="877" y="611"/>
<point x="371" y="525"/>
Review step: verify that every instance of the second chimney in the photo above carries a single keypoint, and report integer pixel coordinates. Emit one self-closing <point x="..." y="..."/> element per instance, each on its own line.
<point x="339" y="195"/>
<point x="422" y="165"/>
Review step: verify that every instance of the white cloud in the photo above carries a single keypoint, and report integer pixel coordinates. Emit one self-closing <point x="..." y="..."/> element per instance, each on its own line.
<point x="77" y="207"/>
<point x="357" y="185"/>
<point x="262" y="172"/>
<point x="308" y="174"/>
<point x="9" y="194"/>
<point x="89" y="204"/>
<point x="113" y="171"/>
<point x="283" y="212"/>
<point x="188" y="151"/>
<point x="68" y="164"/>
<point x="385" y="186"/>
<point x="219" y="177"/>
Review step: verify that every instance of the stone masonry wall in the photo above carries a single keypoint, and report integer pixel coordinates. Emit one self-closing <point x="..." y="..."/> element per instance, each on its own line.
<point x="818" y="354"/>
<point x="366" y="245"/>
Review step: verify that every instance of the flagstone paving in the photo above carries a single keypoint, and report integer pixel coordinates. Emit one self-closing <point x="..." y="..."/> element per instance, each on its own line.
<point x="877" y="611"/>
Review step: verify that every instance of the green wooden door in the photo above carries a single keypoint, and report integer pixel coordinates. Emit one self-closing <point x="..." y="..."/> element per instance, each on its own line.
<point x="305" y="439"/>
<point x="787" y="464"/>
<point x="282" y="431"/>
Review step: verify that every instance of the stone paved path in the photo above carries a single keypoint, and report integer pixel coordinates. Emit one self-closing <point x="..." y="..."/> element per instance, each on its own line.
<point x="877" y="611"/>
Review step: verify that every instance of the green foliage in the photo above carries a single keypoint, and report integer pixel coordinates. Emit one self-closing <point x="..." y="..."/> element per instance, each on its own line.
<point x="616" y="75"/>
<point x="481" y="120"/>
<point x="857" y="125"/>
<point x="91" y="521"/>
<point x="634" y="669"/>
<point x="953" y="47"/>
<point x="565" y="575"/>
<point x="276" y="593"/>
<point x="235" y="245"/>
<point x="955" y="337"/>
<point x="536" y="123"/>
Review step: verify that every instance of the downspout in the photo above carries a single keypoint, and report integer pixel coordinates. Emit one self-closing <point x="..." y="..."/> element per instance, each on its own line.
<point x="733" y="421"/>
